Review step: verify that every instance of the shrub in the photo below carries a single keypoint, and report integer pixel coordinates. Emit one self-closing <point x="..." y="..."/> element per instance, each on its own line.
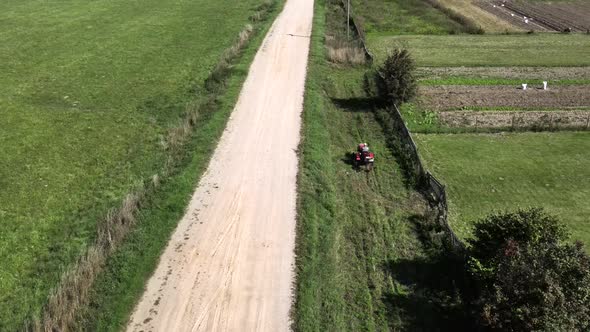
<point x="527" y="227"/>
<point x="526" y="278"/>
<point x="395" y="78"/>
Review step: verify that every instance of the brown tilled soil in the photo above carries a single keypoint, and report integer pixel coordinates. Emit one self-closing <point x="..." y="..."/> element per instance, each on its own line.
<point x="460" y="97"/>
<point x="542" y="73"/>
<point x="533" y="119"/>
<point x="542" y="16"/>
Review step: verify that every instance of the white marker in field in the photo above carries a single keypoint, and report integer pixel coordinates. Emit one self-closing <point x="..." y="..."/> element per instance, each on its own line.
<point x="524" y="86"/>
<point x="544" y="85"/>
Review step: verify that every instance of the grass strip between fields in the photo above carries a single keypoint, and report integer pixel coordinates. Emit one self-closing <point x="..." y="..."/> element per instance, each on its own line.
<point x="360" y="265"/>
<point x="119" y="286"/>
<point x="541" y="50"/>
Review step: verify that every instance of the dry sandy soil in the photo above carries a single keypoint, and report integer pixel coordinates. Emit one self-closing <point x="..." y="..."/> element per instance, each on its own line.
<point x="457" y="97"/>
<point x="229" y="264"/>
<point x="542" y="16"/>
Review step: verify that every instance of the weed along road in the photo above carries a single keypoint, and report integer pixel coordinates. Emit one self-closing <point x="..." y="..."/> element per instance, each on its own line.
<point x="229" y="264"/>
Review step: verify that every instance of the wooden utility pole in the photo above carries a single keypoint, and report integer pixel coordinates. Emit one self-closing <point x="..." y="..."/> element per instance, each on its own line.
<point x="348" y="20"/>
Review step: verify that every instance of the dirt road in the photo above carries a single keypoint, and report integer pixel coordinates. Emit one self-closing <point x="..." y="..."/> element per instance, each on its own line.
<point x="229" y="264"/>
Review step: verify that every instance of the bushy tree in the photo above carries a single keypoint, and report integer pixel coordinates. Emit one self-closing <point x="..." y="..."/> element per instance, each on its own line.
<point x="524" y="226"/>
<point x="527" y="278"/>
<point x="395" y="78"/>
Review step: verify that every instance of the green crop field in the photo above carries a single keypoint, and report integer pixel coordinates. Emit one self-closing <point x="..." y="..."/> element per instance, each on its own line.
<point x="494" y="172"/>
<point x="403" y="17"/>
<point x="545" y="50"/>
<point x="88" y="91"/>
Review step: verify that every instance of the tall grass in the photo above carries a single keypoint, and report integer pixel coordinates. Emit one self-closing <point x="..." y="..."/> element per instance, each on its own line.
<point x="344" y="43"/>
<point x="72" y="293"/>
<point x="343" y="52"/>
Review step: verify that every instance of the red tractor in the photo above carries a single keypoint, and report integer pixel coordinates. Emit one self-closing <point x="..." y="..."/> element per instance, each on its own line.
<point x="364" y="157"/>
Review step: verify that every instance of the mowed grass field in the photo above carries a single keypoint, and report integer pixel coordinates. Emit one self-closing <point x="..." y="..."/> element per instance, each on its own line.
<point x="543" y="50"/>
<point x="486" y="173"/>
<point x="88" y="91"/>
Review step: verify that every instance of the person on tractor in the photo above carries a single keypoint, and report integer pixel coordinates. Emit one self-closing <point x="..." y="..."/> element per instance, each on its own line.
<point x="364" y="156"/>
<point x="363" y="147"/>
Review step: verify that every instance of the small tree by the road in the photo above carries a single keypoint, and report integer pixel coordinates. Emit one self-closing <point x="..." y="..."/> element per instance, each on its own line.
<point x="526" y="277"/>
<point x="395" y="78"/>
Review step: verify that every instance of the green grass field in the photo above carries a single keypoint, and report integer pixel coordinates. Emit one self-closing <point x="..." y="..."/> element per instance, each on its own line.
<point x="495" y="172"/>
<point x="360" y="265"/>
<point x="395" y="17"/>
<point x="544" y="50"/>
<point x="89" y="88"/>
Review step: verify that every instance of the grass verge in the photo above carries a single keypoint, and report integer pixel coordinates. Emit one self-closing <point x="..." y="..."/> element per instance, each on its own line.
<point x="494" y="172"/>
<point x="360" y="265"/>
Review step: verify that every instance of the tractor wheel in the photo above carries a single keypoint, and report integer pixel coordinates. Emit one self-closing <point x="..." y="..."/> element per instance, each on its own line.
<point x="369" y="167"/>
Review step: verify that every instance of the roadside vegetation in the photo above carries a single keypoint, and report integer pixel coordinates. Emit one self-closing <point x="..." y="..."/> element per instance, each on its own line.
<point x="94" y="119"/>
<point x="357" y="229"/>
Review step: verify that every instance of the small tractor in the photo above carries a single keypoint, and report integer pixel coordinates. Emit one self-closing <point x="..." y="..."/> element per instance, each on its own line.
<point x="363" y="157"/>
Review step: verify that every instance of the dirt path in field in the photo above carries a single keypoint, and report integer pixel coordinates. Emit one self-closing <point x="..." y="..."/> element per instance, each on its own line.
<point x="229" y="264"/>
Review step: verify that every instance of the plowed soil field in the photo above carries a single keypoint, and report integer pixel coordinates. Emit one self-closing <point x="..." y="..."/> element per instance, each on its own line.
<point x="458" y="97"/>
<point x="542" y="16"/>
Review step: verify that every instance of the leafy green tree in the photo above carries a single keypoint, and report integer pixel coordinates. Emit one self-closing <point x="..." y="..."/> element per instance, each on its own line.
<point x="527" y="278"/>
<point x="395" y="78"/>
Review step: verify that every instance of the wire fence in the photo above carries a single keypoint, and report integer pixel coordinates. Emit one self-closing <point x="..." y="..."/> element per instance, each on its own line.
<point x="432" y="189"/>
<point x="355" y="23"/>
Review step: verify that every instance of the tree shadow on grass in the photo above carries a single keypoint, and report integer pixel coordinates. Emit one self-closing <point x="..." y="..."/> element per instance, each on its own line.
<point x="358" y="105"/>
<point x="431" y="300"/>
